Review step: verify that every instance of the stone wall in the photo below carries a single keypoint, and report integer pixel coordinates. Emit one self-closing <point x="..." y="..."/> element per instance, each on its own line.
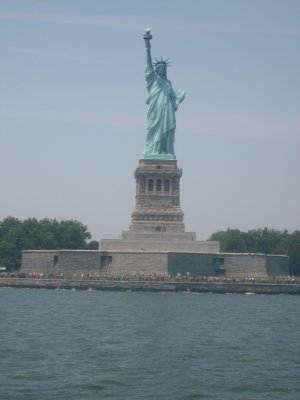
<point x="158" y="235"/>
<point x="277" y="265"/>
<point x="60" y="261"/>
<point x="77" y="261"/>
<point x="124" y="245"/>
<point x="194" y="264"/>
<point x="39" y="261"/>
<point x="93" y="261"/>
<point x="149" y="262"/>
<point x="239" y="265"/>
<point x="139" y="262"/>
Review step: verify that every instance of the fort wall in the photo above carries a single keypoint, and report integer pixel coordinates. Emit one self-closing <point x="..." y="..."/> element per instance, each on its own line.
<point x="70" y="262"/>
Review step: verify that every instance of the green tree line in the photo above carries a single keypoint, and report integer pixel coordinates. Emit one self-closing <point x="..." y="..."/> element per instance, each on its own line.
<point x="45" y="234"/>
<point x="266" y="241"/>
<point x="49" y="234"/>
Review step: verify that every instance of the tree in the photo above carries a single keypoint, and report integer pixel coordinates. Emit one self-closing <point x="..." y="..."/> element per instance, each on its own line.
<point x="46" y="234"/>
<point x="92" y="245"/>
<point x="231" y="241"/>
<point x="10" y="242"/>
<point x="266" y="241"/>
<point x="294" y="252"/>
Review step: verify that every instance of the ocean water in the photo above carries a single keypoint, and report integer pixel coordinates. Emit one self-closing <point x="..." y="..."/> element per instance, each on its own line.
<point x="90" y="345"/>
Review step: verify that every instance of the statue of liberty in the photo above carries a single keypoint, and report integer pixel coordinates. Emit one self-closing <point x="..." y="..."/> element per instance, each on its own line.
<point x="163" y="103"/>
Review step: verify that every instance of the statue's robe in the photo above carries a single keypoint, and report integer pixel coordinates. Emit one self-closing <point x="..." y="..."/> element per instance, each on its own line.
<point x="163" y="102"/>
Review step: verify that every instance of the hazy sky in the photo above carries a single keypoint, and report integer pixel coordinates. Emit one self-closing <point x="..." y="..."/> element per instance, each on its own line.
<point x="73" y="112"/>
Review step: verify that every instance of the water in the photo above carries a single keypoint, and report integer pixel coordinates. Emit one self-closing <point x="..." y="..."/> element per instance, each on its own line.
<point x="114" y="345"/>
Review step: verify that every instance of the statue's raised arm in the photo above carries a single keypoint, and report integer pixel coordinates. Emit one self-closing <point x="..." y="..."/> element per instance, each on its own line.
<point x="163" y="102"/>
<point x="147" y="38"/>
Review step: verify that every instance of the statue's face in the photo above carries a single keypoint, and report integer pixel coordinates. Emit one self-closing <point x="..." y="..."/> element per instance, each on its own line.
<point x="161" y="70"/>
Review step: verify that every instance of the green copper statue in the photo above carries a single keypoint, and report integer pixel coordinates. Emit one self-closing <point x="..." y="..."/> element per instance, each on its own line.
<point x="163" y="102"/>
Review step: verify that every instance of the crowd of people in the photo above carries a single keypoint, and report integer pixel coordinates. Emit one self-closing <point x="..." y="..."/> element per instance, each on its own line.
<point x="155" y="277"/>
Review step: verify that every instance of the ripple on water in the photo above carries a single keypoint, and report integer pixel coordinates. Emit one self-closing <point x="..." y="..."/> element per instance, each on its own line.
<point x="120" y="345"/>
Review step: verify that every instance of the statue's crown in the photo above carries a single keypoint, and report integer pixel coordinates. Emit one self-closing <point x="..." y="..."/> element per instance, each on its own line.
<point x="166" y="62"/>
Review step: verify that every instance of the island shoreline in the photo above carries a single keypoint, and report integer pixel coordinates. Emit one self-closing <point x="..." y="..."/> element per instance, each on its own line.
<point x="152" y="286"/>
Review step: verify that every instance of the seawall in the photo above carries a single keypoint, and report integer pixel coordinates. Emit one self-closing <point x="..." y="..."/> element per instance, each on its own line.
<point x="153" y="286"/>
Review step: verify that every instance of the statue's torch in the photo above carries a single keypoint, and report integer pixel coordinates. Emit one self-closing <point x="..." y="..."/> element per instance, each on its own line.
<point x="147" y="35"/>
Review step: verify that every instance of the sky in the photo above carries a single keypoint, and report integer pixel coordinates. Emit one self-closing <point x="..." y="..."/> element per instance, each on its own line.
<point x="73" y="117"/>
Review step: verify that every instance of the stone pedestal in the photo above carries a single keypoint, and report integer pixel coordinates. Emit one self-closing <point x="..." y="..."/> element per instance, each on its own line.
<point x="157" y="200"/>
<point x="157" y="220"/>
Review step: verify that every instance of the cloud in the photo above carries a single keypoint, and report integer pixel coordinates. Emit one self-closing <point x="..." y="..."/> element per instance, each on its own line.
<point x="166" y="25"/>
<point x="51" y="54"/>
<point x="96" y="118"/>
<point x="102" y="21"/>
<point x="253" y="125"/>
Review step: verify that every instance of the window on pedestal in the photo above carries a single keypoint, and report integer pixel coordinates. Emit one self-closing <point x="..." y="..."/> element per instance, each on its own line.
<point x="218" y="264"/>
<point x="158" y="185"/>
<point x="150" y="185"/>
<point x="105" y="261"/>
<point x="166" y="185"/>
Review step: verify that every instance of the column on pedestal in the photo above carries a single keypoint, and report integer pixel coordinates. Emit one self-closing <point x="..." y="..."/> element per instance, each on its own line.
<point x="157" y="206"/>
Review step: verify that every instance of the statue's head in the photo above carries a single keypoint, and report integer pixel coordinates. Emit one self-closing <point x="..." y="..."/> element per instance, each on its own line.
<point x="161" y="67"/>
